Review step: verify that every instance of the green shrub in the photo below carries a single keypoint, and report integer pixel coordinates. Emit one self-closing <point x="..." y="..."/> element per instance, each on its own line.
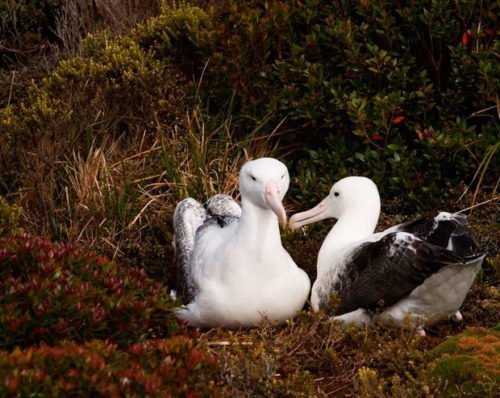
<point x="25" y="26"/>
<point x="172" y="367"/>
<point x="51" y="292"/>
<point x="51" y="28"/>
<point x="9" y="218"/>
<point x="114" y="88"/>
<point x="176" y="36"/>
<point x="403" y="93"/>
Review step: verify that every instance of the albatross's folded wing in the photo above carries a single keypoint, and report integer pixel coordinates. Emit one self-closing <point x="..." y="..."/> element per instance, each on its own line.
<point x="189" y="216"/>
<point x="380" y="273"/>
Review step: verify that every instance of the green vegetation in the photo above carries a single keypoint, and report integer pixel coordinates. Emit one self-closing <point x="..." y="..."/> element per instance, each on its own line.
<point x="468" y="363"/>
<point x="403" y="93"/>
<point x="110" y="112"/>
<point x="9" y="218"/>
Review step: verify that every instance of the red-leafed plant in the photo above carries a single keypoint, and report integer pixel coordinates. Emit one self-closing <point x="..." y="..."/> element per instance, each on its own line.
<point x="55" y="291"/>
<point x="166" y="368"/>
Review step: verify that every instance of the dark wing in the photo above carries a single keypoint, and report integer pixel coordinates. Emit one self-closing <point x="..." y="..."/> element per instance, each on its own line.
<point x="447" y="230"/>
<point x="380" y="273"/>
<point x="189" y="216"/>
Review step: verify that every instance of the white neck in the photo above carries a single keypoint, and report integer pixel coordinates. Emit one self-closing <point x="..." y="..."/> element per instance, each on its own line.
<point x="351" y="227"/>
<point x="258" y="229"/>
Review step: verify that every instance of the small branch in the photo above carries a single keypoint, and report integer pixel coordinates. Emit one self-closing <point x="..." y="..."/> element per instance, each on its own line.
<point x="478" y="204"/>
<point x="11" y="87"/>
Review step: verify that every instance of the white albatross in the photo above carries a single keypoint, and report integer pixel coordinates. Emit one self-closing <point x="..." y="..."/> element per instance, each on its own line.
<point x="236" y="269"/>
<point x="413" y="274"/>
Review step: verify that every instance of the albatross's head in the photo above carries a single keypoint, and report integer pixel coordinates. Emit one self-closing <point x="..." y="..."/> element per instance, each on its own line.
<point x="353" y="195"/>
<point x="264" y="182"/>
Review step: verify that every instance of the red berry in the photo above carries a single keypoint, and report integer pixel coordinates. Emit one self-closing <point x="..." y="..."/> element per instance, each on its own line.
<point x="465" y="39"/>
<point x="398" y="119"/>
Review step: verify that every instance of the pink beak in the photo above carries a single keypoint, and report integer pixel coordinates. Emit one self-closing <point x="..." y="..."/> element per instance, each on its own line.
<point x="307" y="217"/>
<point x="274" y="201"/>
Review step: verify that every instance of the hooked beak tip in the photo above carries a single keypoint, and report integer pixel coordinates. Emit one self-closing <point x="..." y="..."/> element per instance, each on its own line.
<point x="293" y="226"/>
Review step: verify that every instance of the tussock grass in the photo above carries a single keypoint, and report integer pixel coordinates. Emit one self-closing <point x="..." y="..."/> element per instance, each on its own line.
<point x="117" y="195"/>
<point x="202" y="158"/>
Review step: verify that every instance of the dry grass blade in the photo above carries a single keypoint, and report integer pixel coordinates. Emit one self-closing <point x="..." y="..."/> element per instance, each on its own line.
<point x="202" y="159"/>
<point x="479" y="204"/>
<point x="105" y="195"/>
<point x="226" y="343"/>
<point x="85" y="174"/>
<point x="480" y="172"/>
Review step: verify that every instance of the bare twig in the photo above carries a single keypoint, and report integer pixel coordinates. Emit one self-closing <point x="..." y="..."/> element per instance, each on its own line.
<point x="11" y="87"/>
<point x="479" y="204"/>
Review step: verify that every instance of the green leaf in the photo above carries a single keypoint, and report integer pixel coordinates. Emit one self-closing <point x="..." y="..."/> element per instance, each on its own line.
<point x="359" y="156"/>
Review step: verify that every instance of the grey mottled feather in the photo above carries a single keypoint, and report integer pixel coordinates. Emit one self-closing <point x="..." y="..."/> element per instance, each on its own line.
<point x="223" y="208"/>
<point x="189" y="216"/>
<point x="191" y="219"/>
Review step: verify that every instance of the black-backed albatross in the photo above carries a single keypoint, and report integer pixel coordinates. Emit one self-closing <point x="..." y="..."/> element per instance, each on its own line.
<point x="413" y="274"/>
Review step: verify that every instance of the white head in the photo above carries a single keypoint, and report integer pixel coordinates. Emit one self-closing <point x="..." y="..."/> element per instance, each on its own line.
<point x="264" y="182"/>
<point x="351" y="195"/>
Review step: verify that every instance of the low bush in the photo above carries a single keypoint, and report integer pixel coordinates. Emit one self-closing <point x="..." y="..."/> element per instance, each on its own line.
<point x="403" y="93"/>
<point x="172" y="367"/>
<point x="467" y="364"/>
<point x="177" y="36"/>
<point x="9" y="218"/>
<point x="113" y="89"/>
<point x="113" y="96"/>
<point x="51" y="292"/>
<point x="29" y="28"/>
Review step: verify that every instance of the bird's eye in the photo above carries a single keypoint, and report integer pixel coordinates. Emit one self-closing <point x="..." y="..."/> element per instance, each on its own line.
<point x="253" y="178"/>
<point x="283" y="176"/>
<point x="336" y="193"/>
